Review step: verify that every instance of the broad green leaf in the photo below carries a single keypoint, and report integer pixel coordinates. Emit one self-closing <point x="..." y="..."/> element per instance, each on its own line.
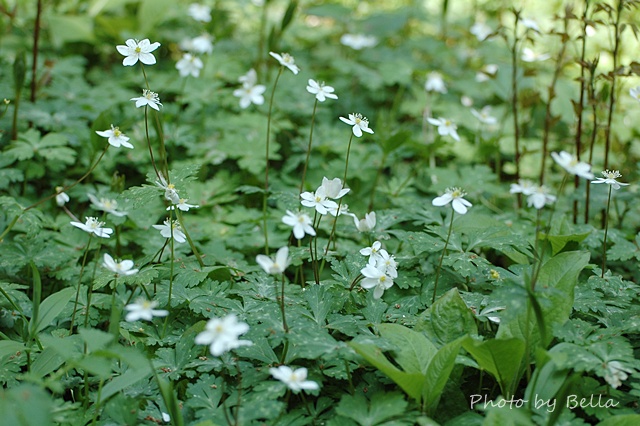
<point x="499" y="357"/>
<point x="10" y="347"/>
<point x="507" y="416"/>
<point x="437" y="375"/>
<point x="413" y="350"/>
<point x="26" y="405"/>
<point x="320" y="302"/>
<point x="128" y="378"/>
<point x="447" y="319"/>
<point x="410" y="383"/>
<point x="151" y="13"/>
<point x="46" y="362"/>
<point x="51" y="307"/>
<point x="621" y="420"/>
<point x="68" y="28"/>
<point x="382" y="407"/>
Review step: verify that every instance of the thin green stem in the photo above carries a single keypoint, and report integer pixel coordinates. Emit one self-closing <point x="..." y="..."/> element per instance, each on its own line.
<point x="306" y="162"/>
<point x="37" y="297"/>
<point x="514" y="98"/>
<point x="444" y="251"/>
<point x="606" y="230"/>
<point x="282" y="307"/>
<point x="93" y="276"/>
<point x="75" y="303"/>
<point x="146" y="131"/>
<point x="186" y="234"/>
<point x="114" y="318"/>
<point x="344" y="183"/>
<point x="266" y="168"/>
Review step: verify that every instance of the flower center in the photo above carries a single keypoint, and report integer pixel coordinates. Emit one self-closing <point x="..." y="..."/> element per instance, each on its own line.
<point x="137" y="49"/>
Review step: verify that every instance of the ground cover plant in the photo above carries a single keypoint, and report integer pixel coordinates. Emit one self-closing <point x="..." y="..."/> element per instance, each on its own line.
<point x="319" y="212"/>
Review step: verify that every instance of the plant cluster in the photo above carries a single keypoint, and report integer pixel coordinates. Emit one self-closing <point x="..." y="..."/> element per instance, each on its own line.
<point x="190" y="234"/>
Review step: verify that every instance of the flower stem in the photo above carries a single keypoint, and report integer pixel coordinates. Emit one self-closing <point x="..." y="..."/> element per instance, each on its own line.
<point x="191" y="243"/>
<point x="514" y="97"/>
<point x="90" y="289"/>
<point x="266" y="168"/>
<point x="306" y="162"/>
<point x="444" y="250"/>
<point x="75" y="303"/>
<point x="146" y="130"/>
<point x="114" y="323"/>
<point x="284" y="319"/>
<point x="344" y="182"/>
<point x="606" y="230"/>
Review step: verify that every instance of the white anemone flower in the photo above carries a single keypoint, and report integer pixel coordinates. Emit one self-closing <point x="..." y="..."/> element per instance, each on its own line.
<point x="138" y="51"/>
<point x="169" y="228"/>
<point x="540" y="197"/>
<point x="321" y="91"/>
<point x="435" y="83"/>
<point x="61" y="197"/>
<point x="453" y="196"/>
<point x="571" y="164"/>
<point x="144" y="310"/>
<point x="277" y="265"/>
<point x="333" y="188"/>
<point x="250" y="95"/>
<point x="367" y="224"/>
<point x="445" y="127"/>
<point x="200" y="12"/>
<point x="94" y="226"/>
<point x="528" y="55"/>
<point x="524" y="186"/>
<point x="287" y="61"/>
<point x="115" y="137"/>
<point x="106" y="204"/>
<point x="635" y="93"/>
<point x="360" y="124"/>
<point x="148" y="98"/>
<point x="123" y="268"/>
<point x="296" y="380"/>
<point x="318" y="200"/>
<point x="616" y="373"/>
<point x="480" y="30"/>
<point x="301" y="223"/>
<point x="358" y="41"/>
<point x="373" y="252"/>
<point x="375" y="279"/>
<point x="183" y="205"/>
<point x="189" y="65"/>
<point x="610" y="178"/>
<point x="221" y="334"/>
<point x="484" y="115"/>
<point x="249" y="79"/>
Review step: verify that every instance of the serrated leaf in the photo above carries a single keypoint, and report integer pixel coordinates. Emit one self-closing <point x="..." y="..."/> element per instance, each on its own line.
<point x="383" y="407"/>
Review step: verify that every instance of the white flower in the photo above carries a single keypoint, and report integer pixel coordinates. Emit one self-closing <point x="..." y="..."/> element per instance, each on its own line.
<point x="480" y="30"/>
<point x="318" y="200"/>
<point x="249" y="79"/>
<point x="484" y="115"/>
<point x="376" y="279"/>
<point x="540" y="197"/>
<point x="170" y="191"/>
<point x="138" y="51"/>
<point x="182" y="205"/>
<point x="339" y="210"/>
<point x="143" y="309"/>
<point x="106" y="204"/>
<point x="373" y="252"/>
<point x="115" y="137"/>
<point x="202" y="44"/>
<point x="123" y="268"/>
<point x="445" y="127"/>
<point x="524" y="186"/>
<point x="321" y="91"/>
<point x="250" y="95"/>
<point x="385" y="263"/>
<point x="166" y="417"/>
<point x="221" y="334"/>
<point x="296" y="380"/>
<point x="148" y="98"/>
<point x="333" y="188"/>
<point x="528" y="55"/>
<point x="486" y="73"/>
<point x="360" y="124"/>
<point x="453" y="196"/>
<point x="358" y="41"/>
<point x="616" y="373"/>
<point x="61" y="198"/>
<point x="530" y="23"/>
<point x="367" y="224"/>
<point x="275" y="267"/>
<point x="435" y="83"/>
<point x="200" y="12"/>
<point x="572" y="165"/>
<point x="301" y="224"/>
<point x="635" y="93"/>
<point x="609" y="178"/>
<point x="169" y="228"/>
<point x="286" y="60"/>
<point x="93" y="226"/>
<point x="189" y="65"/>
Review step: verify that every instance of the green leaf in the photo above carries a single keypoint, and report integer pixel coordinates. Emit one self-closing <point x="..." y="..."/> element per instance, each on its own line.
<point x="51" y="307"/>
<point x="128" y="378"/>
<point x="151" y="13"/>
<point x="410" y="383"/>
<point x="10" y="348"/>
<point x="413" y="350"/>
<point x="66" y="28"/>
<point x="26" y="405"/>
<point x="437" y="375"/>
<point x="447" y="319"/>
<point x="383" y="407"/>
<point x="499" y="357"/>
<point x="621" y="420"/>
